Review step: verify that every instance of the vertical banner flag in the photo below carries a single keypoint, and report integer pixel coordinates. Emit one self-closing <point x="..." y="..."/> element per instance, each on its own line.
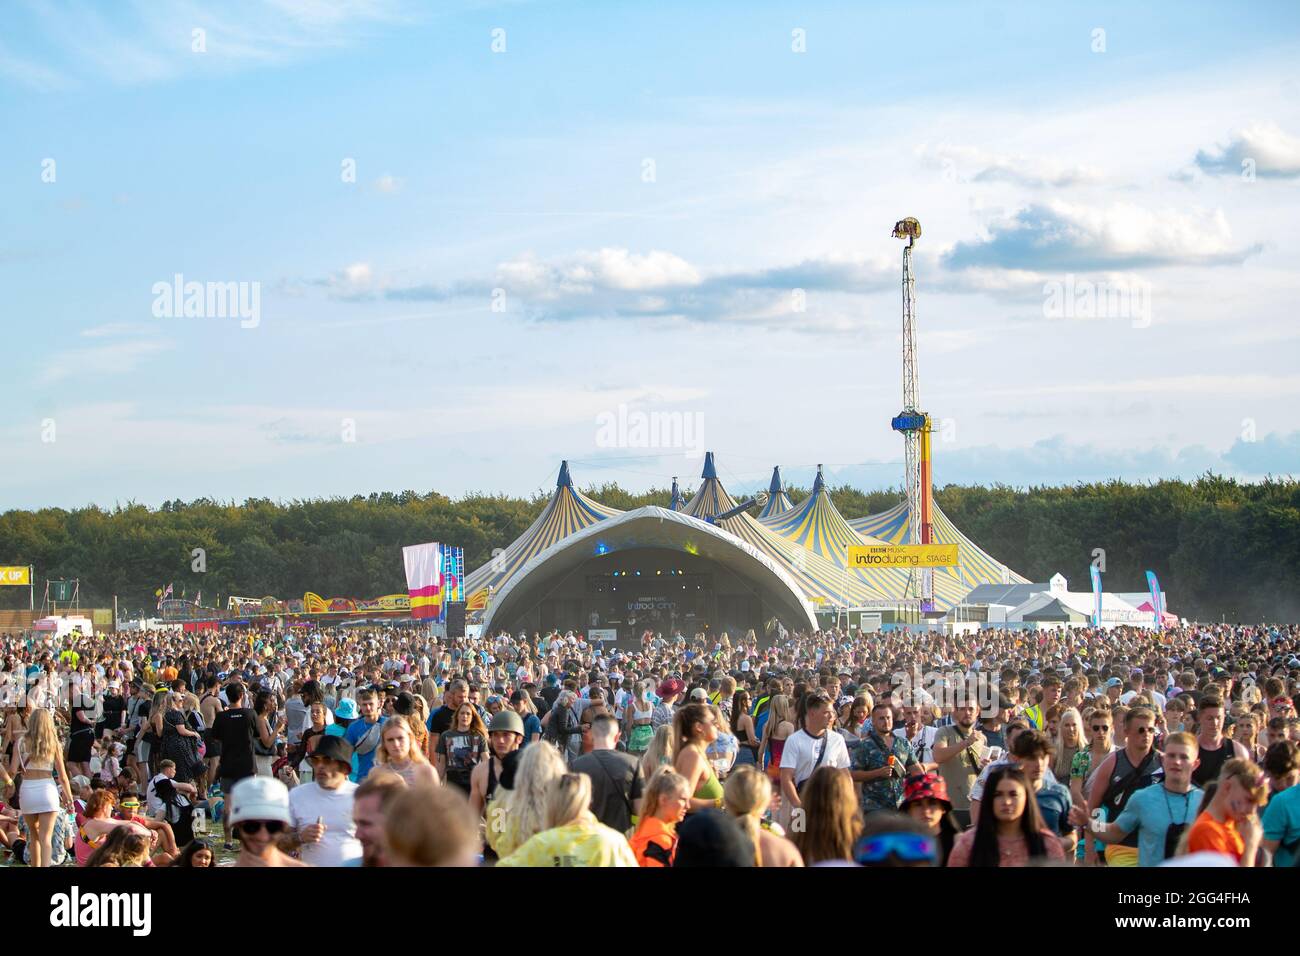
<point x="424" y="579"/>
<point x="453" y="573"/>
<point x="1096" y="595"/>
<point x="1154" y="585"/>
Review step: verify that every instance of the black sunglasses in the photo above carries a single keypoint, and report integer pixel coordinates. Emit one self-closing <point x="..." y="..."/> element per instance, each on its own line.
<point x="252" y="827"/>
<point x="1101" y="726"/>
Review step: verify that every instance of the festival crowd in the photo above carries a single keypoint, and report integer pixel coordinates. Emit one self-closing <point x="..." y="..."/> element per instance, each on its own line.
<point x="382" y="746"/>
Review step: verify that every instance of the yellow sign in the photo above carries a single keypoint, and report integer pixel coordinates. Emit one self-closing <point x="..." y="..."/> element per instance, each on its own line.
<point x="872" y="556"/>
<point x="15" y="576"/>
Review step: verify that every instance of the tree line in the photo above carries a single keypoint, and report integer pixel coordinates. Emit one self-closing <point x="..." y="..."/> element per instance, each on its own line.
<point x="1220" y="547"/>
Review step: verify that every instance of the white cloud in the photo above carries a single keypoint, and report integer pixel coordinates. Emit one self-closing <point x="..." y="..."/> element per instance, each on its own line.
<point x="1274" y="153"/>
<point x="388" y="183"/>
<point x="970" y="164"/>
<point x="113" y="329"/>
<point x="148" y="41"/>
<point x="1057" y="235"/>
<point x="115" y="359"/>
<point x="603" y="269"/>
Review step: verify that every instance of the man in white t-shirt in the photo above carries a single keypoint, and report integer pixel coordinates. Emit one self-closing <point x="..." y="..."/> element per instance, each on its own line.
<point x="811" y="747"/>
<point x="322" y="810"/>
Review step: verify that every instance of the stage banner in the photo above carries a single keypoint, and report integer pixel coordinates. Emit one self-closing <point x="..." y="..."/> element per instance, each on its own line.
<point x="1096" y="595"/>
<point x="872" y="556"/>
<point x="1154" y="585"/>
<point x="15" y="576"/>
<point x="424" y="579"/>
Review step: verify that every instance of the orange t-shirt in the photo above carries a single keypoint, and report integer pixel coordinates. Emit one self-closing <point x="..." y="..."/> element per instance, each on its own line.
<point x="1209" y="835"/>
<point x="654" y="843"/>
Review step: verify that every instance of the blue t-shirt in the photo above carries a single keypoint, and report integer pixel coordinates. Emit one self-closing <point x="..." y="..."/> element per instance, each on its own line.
<point x="361" y="763"/>
<point x="531" y="726"/>
<point x="1151" y="811"/>
<point x="1054" y="804"/>
<point x="1282" y="823"/>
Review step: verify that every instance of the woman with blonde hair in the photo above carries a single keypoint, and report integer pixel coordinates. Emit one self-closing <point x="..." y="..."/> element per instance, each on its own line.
<point x="573" y="836"/>
<point x="1071" y="738"/>
<point x="779" y="726"/>
<point x="722" y="753"/>
<point x="663" y="806"/>
<point x="661" y="751"/>
<point x="39" y="758"/>
<point x="638" y="729"/>
<point x="746" y="796"/>
<point x="514" y="815"/>
<point x="831" y="821"/>
<point x="400" y="751"/>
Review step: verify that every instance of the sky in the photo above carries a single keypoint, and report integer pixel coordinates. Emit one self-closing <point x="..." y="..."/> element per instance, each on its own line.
<point x="461" y="242"/>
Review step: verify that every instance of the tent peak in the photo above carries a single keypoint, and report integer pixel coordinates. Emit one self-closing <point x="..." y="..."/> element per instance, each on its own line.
<point x="564" y="481"/>
<point x="818" y="483"/>
<point x="775" y="487"/>
<point x="709" y="470"/>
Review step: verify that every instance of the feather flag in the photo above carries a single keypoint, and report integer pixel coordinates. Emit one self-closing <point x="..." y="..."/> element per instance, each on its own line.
<point x="1096" y="595"/>
<point x="424" y="579"/>
<point x="1154" y="585"/>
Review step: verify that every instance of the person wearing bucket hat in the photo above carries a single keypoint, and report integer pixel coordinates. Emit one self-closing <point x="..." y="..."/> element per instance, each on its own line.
<point x="321" y="811"/>
<point x="258" y="813"/>
<point x="668" y="691"/>
<point x="505" y="735"/>
<point x="925" y="801"/>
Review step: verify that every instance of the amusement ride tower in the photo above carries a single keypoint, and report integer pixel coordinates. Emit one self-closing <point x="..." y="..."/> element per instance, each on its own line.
<point x="915" y="426"/>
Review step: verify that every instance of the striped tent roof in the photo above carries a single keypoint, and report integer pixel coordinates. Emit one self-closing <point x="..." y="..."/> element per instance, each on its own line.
<point x="821" y="580"/>
<point x="777" y="500"/>
<point x="809" y="541"/>
<point x="817" y="525"/>
<point x="976" y="566"/>
<point x="569" y="510"/>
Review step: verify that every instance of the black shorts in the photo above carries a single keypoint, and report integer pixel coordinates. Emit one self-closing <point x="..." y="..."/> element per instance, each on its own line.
<point x="79" y="745"/>
<point x="228" y="784"/>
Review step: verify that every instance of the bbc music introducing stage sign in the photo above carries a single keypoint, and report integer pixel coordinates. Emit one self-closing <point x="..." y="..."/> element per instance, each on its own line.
<point x="869" y="556"/>
<point x="15" y="576"/>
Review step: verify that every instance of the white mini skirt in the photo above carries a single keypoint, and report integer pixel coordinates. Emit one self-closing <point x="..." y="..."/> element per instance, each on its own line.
<point x="39" y="796"/>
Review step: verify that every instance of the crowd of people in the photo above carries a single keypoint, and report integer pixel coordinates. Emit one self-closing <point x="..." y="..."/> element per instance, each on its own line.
<point x="383" y="746"/>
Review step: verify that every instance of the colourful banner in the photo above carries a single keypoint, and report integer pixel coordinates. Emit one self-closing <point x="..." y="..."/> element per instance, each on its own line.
<point x="15" y="575"/>
<point x="1156" y="607"/>
<point x="423" y="564"/>
<point x="871" y="556"/>
<point x="1096" y="594"/>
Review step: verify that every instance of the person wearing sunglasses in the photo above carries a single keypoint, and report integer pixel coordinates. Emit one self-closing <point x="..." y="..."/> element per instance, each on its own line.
<point x="259" y="816"/>
<point x="1160" y="813"/>
<point x="892" y="840"/>
<point x="1122" y="774"/>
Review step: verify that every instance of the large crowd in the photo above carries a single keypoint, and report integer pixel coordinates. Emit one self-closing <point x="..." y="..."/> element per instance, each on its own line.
<point x="383" y="746"/>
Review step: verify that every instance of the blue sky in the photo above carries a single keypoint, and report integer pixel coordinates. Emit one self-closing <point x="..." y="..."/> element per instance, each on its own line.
<point x="620" y="210"/>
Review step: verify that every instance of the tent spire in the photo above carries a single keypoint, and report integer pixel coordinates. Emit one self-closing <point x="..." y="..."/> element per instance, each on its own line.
<point x="564" y="481"/>
<point x="818" y="483"/>
<point x="675" y="503"/>
<point x="775" y="487"/>
<point x="709" y="470"/>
